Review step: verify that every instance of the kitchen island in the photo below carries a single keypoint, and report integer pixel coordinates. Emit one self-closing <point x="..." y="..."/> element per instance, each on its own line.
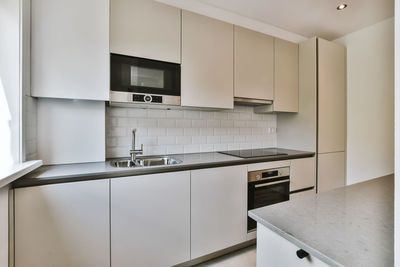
<point x="349" y="226"/>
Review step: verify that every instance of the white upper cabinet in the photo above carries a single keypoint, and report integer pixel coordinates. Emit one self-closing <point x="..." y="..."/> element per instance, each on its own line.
<point x="254" y="64"/>
<point x="207" y="62"/>
<point x="286" y="74"/>
<point x="145" y="28"/>
<point x="70" y="49"/>
<point x="331" y="96"/>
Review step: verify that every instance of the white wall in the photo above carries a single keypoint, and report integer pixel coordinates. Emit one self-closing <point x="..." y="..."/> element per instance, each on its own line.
<point x="188" y="131"/>
<point x="9" y="82"/>
<point x="370" y="105"/>
<point x="397" y="136"/>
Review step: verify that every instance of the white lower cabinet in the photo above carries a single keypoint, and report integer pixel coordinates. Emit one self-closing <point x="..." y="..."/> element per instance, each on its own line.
<point x="301" y="194"/>
<point x="274" y="250"/>
<point x="302" y="173"/>
<point x="150" y="220"/>
<point x="218" y="209"/>
<point x="63" y="225"/>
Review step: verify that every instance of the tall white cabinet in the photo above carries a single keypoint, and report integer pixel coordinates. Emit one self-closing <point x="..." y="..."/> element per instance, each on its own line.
<point x="207" y="62"/>
<point x="70" y="49"/>
<point x="320" y="124"/>
<point x="63" y="225"/>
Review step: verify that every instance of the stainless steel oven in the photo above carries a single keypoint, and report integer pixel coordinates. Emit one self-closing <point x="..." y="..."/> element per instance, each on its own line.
<point x="266" y="187"/>
<point x="140" y="80"/>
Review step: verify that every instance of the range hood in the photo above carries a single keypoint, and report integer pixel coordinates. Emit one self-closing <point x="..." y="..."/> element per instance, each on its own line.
<point x="251" y="101"/>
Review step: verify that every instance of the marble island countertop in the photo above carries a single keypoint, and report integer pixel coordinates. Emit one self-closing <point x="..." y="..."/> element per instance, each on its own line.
<point x="350" y="226"/>
<point x="99" y="170"/>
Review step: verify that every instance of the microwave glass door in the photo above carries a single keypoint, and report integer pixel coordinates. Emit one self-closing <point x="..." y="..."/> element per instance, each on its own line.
<point x="139" y="75"/>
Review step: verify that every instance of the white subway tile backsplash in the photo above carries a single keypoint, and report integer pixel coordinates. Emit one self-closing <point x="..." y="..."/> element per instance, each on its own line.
<point x="156" y="113"/>
<point x="191" y="148"/>
<point x="174" y="113"/>
<point x="183" y="140"/>
<point x="166" y="123"/>
<point x="191" y="131"/>
<point x="190" y="114"/>
<point x="175" y="149"/>
<point x="174" y="131"/>
<point x="213" y="123"/>
<point x="188" y="131"/>
<point x="183" y="123"/>
<point x="166" y="140"/>
<point x="199" y="123"/>
<point x="157" y="131"/>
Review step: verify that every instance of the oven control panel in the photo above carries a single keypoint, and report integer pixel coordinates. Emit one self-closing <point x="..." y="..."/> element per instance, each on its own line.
<point x="268" y="174"/>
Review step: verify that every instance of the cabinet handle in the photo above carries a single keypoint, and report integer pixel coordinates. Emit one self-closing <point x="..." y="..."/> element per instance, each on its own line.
<point x="302" y="254"/>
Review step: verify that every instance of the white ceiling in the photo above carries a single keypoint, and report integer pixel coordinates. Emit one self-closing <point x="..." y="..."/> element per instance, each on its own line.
<point x="311" y="17"/>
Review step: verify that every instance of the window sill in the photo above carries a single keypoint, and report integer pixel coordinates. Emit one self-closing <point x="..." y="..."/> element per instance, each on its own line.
<point x="12" y="173"/>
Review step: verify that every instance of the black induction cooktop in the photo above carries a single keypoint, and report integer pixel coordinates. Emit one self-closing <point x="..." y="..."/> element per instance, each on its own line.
<point x="254" y="153"/>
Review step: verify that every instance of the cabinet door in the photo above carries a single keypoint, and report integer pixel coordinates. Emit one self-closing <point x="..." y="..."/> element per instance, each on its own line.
<point x="207" y="62"/>
<point x="331" y="171"/>
<point x="146" y="29"/>
<point x="254" y="64"/>
<point x="302" y="173"/>
<point x="331" y="97"/>
<point x="286" y="90"/>
<point x="63" y="225"/>
<point x="70" y="49"/>
<point x="150" y="220"/>
<point x="218" y="209"/>
<point x="274" y="250"/>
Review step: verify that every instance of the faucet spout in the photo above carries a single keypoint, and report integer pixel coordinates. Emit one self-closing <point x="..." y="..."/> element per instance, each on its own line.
<point x="133" y="152"/>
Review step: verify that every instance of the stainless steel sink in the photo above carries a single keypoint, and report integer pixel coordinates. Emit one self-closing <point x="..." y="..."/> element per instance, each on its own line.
<point x="145" y="161"/>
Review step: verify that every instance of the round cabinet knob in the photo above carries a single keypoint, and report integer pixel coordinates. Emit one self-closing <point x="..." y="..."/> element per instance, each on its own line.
<point x="302" y="254"/>
<point x="147" y="98"/>
<point x="258" y="176"/>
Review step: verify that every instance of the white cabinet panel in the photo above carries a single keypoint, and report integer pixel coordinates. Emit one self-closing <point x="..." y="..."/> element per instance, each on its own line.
<point x="254" y="64"/>
<point x="301" y="194"/>
<point x="331" y="96"/>
<point x="150" y="220"/>
<point x="218" y="209"/>
<point x="302" y="173"/>
<point x="63" y="225"/>
<point x="71" y="131"/>
<point x="145" y="28"/>
<point x="286" y="76"/>
<point x="70" y="49"/>
<point x="207" y="62"/>
<point x="331" y="171"/>
<point x="274" y="250"/>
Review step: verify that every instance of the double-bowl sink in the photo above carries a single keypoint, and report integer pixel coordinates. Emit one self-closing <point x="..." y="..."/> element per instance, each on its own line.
<point x="144" y="162"/>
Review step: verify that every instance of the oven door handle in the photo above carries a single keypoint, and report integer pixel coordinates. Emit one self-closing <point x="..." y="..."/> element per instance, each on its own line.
<point x="272" y="183"/>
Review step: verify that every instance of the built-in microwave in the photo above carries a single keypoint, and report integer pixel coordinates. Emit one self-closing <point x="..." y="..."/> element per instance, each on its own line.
<point x="140" y="80"/>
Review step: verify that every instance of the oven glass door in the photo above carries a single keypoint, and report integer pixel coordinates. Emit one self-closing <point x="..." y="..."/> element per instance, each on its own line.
<point x="139" y="75"/>
<point x="262" y="193"/>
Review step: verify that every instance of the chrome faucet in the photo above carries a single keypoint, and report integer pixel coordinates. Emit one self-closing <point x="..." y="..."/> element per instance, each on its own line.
<point x="135" y="151"/>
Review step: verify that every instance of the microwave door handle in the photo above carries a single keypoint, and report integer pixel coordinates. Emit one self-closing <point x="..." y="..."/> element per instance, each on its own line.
<point x="272" y="183"/>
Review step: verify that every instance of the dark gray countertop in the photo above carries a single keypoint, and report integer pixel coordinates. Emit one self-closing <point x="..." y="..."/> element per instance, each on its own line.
<point x="349" y="226"/>
<point x="51" y="174"/>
